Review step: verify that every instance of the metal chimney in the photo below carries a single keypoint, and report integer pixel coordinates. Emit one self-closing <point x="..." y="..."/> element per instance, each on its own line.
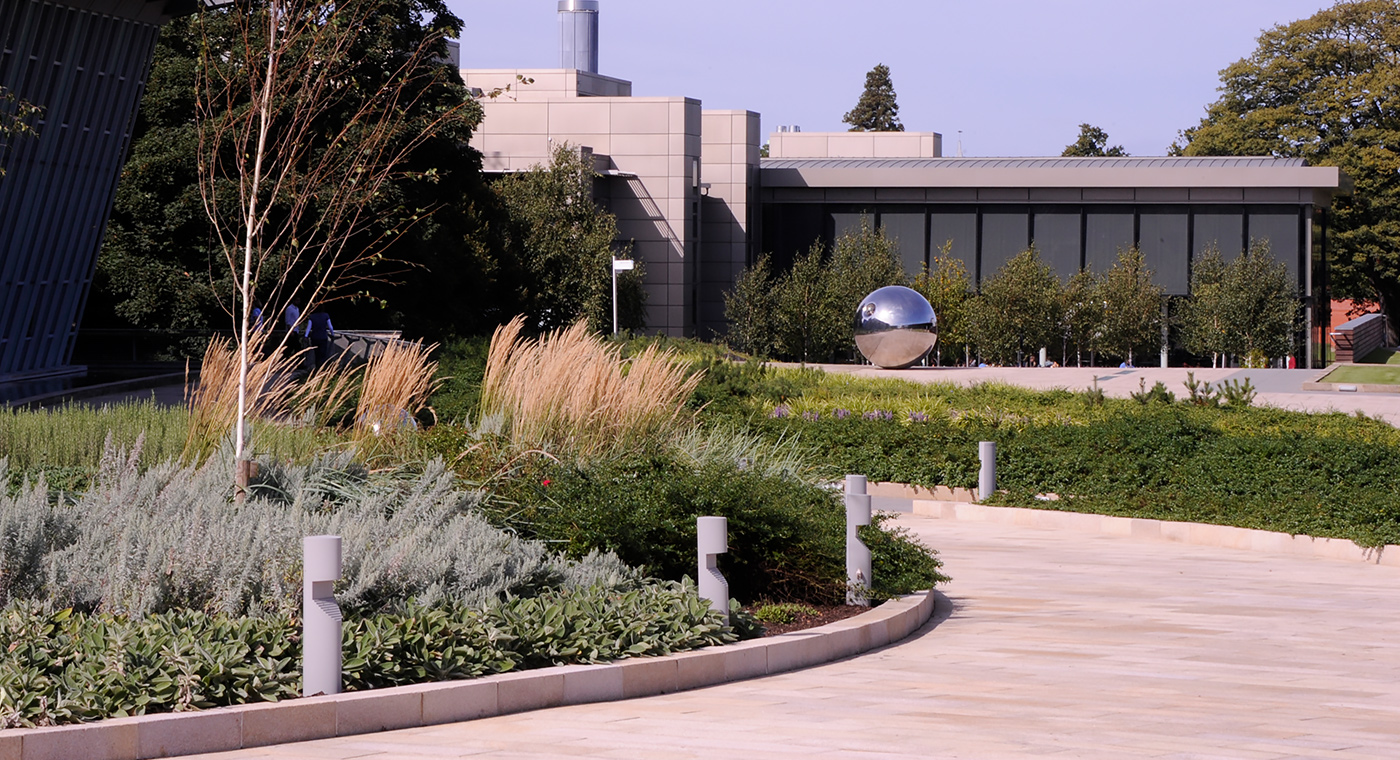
<point x="578" y="35"/>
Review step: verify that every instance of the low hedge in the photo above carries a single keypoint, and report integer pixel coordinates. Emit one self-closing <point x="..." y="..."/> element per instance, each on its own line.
<point x="786" y="537"/>
<point x="65" y="667"/>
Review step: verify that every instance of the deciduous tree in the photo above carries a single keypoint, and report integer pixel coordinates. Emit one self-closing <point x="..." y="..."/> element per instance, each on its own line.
<point x="1132" y="306"/>
<point x="1018" y="310"/>
<point x="1326" y="89"/>
<point x="1092" y="142"/>
<point x="949" y="292"/>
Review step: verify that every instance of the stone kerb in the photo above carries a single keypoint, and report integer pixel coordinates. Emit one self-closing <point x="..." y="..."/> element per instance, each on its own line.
<point x="243" y="726"/>
<point x="1198" y="534"/>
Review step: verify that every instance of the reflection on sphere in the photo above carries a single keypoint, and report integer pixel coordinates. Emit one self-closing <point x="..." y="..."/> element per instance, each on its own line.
<point x="895" y="327"/>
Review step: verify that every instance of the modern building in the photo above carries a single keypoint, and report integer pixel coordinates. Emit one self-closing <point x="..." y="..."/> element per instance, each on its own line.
<point x="85" y="63"/>
<point x="698" y="204"/>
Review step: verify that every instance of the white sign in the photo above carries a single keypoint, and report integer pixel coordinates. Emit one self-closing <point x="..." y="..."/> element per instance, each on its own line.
<point x="623" y="265"/>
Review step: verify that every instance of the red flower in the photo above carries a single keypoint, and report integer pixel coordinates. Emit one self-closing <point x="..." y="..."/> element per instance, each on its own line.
<point x="544" y="482"/>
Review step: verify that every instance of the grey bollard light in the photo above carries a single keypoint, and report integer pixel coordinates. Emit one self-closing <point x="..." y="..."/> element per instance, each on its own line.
<point x="712" y="540"/>
<point x="858" y="569"/>
<point x="321" y="620"/>
<point x="987" y="479"/>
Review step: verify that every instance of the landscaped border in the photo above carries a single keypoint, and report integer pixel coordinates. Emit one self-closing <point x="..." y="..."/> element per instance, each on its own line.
<point x="362" y="712"/>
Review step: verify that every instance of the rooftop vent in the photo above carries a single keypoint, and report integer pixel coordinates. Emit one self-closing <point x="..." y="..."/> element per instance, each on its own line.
<point x="578" y="35"/>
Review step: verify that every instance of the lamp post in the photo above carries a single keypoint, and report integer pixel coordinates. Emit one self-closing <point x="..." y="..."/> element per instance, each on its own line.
<point x="618" y="265"/>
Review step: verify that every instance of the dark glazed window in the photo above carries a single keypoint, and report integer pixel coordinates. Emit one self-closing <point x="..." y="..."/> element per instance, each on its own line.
<point x="1005" y="233"/>
<point x="1162" y="238"/>
<point x="1057" y="236"/>
<point x="1279" y="226"/>
<point x="1106" y="230"/>
<point x="1222" y="228"/>
<point x="959" y="228"/>
<point x="907" y="230"/>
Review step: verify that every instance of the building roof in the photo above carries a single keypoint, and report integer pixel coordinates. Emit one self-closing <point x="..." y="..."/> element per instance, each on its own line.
<point x="1114" y="162"/>
<point x="1106" y="172"/>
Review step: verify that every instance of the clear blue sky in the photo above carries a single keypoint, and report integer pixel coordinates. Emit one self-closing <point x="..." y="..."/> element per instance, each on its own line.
<point x="1016" y="76"/>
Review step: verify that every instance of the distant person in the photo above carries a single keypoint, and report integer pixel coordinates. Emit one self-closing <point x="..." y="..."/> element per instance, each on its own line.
<point x="319" y="332"/>
<point x="1126" y="365"/>
<point x="290" y="315"/>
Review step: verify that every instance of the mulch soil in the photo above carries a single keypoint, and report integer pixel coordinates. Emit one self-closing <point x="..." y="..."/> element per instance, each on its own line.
<point x="825" y="614"/>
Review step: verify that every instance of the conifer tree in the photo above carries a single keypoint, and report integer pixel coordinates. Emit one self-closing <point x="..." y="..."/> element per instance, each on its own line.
<point x="876" y="111"/>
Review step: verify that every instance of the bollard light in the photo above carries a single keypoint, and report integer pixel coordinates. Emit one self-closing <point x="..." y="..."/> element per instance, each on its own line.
<point x="712" y="540"/>
<point x="987" y="479"/>
<point x="858" y="566"/>
<point x="321" y="619"/>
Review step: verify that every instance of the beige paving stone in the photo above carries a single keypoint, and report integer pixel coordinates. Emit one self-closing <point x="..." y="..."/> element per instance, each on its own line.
<point x="701" y="668"/>
<point x="592" y="683"/>
<point x="648" y="676"/>
<point x="528" y="691"/>
<point x="10" y="745"/>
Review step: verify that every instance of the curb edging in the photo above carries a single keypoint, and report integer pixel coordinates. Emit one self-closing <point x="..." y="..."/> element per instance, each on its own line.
<point x="1196" y="534"/>
<point x="361" y="712"/>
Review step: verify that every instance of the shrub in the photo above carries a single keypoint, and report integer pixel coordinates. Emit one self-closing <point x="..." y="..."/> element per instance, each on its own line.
<point x="784" y="613"/>
<point x="786" y="537"/>
<point x="171" y="537"/>
<point x="63" y="667"/>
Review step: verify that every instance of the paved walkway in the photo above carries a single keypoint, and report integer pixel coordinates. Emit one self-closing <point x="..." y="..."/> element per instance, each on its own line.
<point x="1049" y="643"/>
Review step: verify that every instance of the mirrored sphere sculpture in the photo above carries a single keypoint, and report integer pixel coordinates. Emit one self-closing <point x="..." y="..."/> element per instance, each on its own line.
<point x="895" y="327"/>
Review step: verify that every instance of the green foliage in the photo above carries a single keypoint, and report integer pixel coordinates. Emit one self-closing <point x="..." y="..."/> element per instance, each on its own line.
<point x="1247" y="306"/>
<point x="1092" y="141"/>
<point x="171" y="537"/>
<point x="784" y="613"/>
<point x="1325" y="89"/>
<point x="1018" y="311"/>
<point x="563" y="244"/>
<point x="750" y="309"/>
<point x="1132" y="306"/>
<point x="16" y="115"/>
<point x="948" y="290"/>
<point x="1158" y="395"/>
<point x="461" y="364"/>
<point x="161" y="267"/>
<point x="877" y="110"/>
<point x="1082" y="315"/>
<point x="808" y="312"/>
<point x="63" y="667"/>
<point x="786" y="538"/>
<point x="1318" y="474"/>
<point x="899" y="561"/>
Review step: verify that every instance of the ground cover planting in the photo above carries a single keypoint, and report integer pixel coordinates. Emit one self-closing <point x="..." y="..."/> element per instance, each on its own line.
<point x="1176" y="458"/>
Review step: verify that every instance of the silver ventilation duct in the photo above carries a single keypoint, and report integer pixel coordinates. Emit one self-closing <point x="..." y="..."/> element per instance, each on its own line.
<point x="578" y="35"/>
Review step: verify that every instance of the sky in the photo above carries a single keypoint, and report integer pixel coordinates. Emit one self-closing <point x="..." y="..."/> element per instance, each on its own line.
<point x="1015" y="77"/>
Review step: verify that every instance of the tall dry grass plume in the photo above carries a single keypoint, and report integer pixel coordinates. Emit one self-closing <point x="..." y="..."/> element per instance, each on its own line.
<point x="397" y="383"/>
<point x="570" y="392"/>
<point x="213" y="403"/>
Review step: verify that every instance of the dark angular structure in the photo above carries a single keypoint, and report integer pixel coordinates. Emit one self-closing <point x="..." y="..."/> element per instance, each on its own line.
<point x="85" y="63"/>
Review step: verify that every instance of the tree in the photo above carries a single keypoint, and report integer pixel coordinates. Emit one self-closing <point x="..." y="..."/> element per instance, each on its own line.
<point x="1018" y="310"/>
<point x="949" y="292"/>
<point x="750" y="308"/>
<point x="1092" y="142"/>
<point x="877" y="110"/>
<point x="1326" y="89"/>
<point x="15" y="117"/>
<point x="807" y="322"/>
<point x="1132" y="306"/>
<point x="1247" y="308"/>
<point x="1205" y="314"/>
<point x="563" y="245"/>
<point x="1081" y="315"/>
<point x="306" y="114"/>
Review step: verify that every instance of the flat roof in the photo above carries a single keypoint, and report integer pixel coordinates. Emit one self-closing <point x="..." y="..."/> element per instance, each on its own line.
<point x="1031" y="172"/>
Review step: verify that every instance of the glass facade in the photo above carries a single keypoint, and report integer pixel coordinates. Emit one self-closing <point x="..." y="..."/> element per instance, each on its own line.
<point x="1068" y="236"/>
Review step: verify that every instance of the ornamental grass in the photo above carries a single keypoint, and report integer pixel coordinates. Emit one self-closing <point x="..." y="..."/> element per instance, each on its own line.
<point x="570" y="392"/>
<point x="213" y="403"/>
<point x="397" y="383"/>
